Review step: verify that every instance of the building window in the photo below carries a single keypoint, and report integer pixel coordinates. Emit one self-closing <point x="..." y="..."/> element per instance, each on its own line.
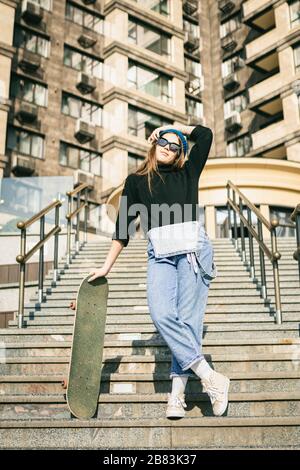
<point x="149" y="38"/>
<point x="25" y="142"/>
<point x="30" y="91"/>
<point x="297" y="57"/>
<point x="32" y="42"/>
<point x="237" y="103"/>
<point x="283" y="215"/>
<point x="79" y="108"/>
<point x="232" y="65"/>
<point x="84" y="18"/>
<point x="294" y="6"/>
<point x="134" y="161"/>
<point x="149" y="81"/>
<point x="46" y="4"/>
<point x="230" y="26"/>
<point x="192" y="28"/>
<point x="194" y="108"/>
<point x="79" y="158"/>
<point x="194" y="83"/>
<point x="239" y="147"/>
<point x="143" y="123"/>
<point x="82" y="62"/>
<point x="160" y="6"/>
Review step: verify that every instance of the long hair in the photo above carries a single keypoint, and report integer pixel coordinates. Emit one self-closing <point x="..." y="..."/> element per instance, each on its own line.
<point x="149" y="165"/>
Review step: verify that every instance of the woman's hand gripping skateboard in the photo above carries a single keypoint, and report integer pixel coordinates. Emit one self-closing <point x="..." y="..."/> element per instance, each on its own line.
<point x="96" y="273"/>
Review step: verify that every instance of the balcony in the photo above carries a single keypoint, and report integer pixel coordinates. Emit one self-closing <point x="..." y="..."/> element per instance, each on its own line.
<point x="27" y="112"/>
<point x="190" y="7"/>
<point x="87" y="38"/>
<point x="233" y="122"/>
<point x="191" y="43"/>
<point x="29" y="61"/>
<point x="85" y="83"/>
<point x="226" y="6"/>
<point x="31" y="12"/>
<point x="231" y="82"/>
<point x="81" y="176"/>
<point x="22" y="165"/>
<point x="228" y="43"/>
<point x="85" y="131"/>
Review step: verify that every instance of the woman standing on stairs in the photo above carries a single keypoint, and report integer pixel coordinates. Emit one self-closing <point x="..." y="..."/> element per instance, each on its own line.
<point x="180" y="254"/>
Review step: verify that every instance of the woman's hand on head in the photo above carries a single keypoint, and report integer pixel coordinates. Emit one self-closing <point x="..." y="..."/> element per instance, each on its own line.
<point x="155" y="134"/>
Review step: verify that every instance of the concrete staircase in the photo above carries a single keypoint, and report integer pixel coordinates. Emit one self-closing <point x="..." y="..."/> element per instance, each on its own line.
<point x="241" y="339"/>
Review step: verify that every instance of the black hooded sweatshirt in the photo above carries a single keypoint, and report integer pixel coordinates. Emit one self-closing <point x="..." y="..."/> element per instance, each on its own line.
<point x="179" y="190"/>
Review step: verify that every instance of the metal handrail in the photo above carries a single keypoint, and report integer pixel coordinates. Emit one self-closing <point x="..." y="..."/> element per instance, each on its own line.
<point x="295" y="217"/>
<point x="72" y="213"/>
<point x="272" y="254"/>
<point x="23" y="257"/>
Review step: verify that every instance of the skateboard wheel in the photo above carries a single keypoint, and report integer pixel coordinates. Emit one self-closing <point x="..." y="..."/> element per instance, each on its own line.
<point x="64" y="383"/>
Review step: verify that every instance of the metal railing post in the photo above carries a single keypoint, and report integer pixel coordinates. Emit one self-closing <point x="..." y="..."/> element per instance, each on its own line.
<point x="228" y="211"/>
<point x="86" y="213"/>
<point x="77" y="224"/>
<point x="41" y="260"/>
<point x="20" y="259"/>
<point x="242" y="232"/>
<point x="263" y="289"/>
<point x="251" y="251"/>
<point x="235" y="223"/>
<point x="69" y="227"/>
<point x="55" y="254"/>
<point x="276" y="256"/>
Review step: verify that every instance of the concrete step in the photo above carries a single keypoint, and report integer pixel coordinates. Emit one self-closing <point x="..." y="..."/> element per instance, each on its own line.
<point x="224" y="363"/>
<point x="152" y="433"/>
<point x="135" y="306"/>
<point x="140" y="298"/>
<point x="220" y="328"/>
<point x="144" y="333"/>
<point x="117" y="406"/>
<point x="285" y="381"/>
<point x="136" y="318"/>
<point x="155" y="346"/>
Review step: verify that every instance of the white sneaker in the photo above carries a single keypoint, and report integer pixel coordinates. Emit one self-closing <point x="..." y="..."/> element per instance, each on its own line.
<point x="176" y="405"/>
<point x="216" y="385"/>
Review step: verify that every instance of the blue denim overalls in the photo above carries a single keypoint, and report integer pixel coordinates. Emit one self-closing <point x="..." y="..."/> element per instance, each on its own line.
<point x="178" y="281"/>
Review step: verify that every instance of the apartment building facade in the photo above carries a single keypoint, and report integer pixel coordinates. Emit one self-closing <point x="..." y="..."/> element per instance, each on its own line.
<point x="86" y="82"/>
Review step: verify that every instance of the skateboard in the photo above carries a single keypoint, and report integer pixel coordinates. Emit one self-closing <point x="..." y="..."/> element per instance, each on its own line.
<point x="83" y="383"/>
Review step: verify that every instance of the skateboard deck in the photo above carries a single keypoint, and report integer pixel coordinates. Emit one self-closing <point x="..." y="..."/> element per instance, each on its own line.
<point x="83" y="385"/>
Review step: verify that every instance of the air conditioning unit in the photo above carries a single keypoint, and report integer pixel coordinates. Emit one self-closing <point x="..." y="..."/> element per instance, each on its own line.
<point x="29" y="61"/>
<point x="194" y="85"/>
<point x="190" y="6"/>
<point x="31" y="12"/>
<point x="85" y="131"/>
<point x="231" y="82"/>
<point x="238" y="63"/>
<point x="233" y="122"/>
<point x="81" y="176"/>
<point x="190" y="41"/>
<point x="228" y="43"/>
<point x="27" y="112"/>
<point x="85" y="83"/>
<point x="22" y="165"/>
<point x="87" y="39"/>
<point x="226" y="6"/>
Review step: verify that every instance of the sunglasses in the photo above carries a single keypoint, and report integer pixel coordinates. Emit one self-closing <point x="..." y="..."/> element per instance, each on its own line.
<point x="162" y="142"/>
